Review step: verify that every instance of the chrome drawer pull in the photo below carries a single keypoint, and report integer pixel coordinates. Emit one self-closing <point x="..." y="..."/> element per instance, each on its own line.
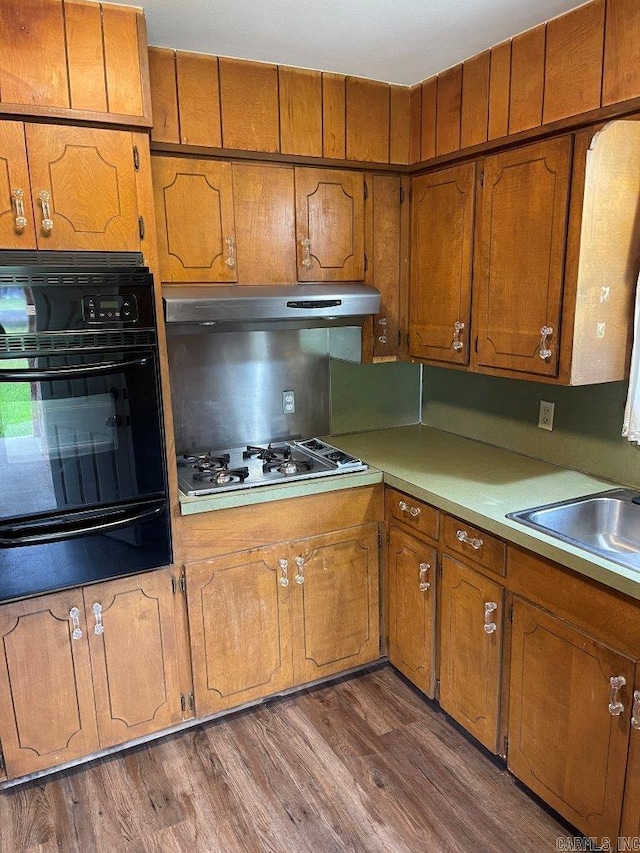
<point x="413" y="511"/>
<point x="635" y="719"/>
<point x="74" y="616"/>
<point x="616" y="707"/>
<point x="489" y="608"/>
<point x="47" y="221"/>
<point x="424" y="584"/>
<point x="463" y="536"/>
<point x="457" y="344"/>
<point x="21" y="220"/>
<point x="284" y="568"/>
<point x="300" y="573"/>
<point x="97" y="612"/>
<point x="545" y="334"/>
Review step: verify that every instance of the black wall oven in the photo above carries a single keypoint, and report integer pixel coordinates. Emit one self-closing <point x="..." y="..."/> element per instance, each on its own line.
<point x="83" y="490"/>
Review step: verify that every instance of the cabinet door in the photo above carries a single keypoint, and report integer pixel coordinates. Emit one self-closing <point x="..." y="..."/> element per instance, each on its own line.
<point x="133" y="656"/>
<point x="16" y="214"/>
<point x="631" y="807"/>
<point x="194" y="218"/>
<point x="90" y="179"/>
<point x="329" y="225"/>
<point x="564" y="743"/>
<point x="47" y="715"/>
<point x="441" y="251"/>
<point x="412" y="599"/>
<point x="470" y="649"/>
<point x="335" y="616"/>
<point x="240" y="627"/>
<point x="519" y="266"/>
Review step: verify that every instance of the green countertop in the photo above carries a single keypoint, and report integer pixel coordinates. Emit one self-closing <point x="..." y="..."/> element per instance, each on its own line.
<point x="482" y="484"/>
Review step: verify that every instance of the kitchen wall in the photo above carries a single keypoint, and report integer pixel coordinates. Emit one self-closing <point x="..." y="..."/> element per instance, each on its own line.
<point x="502" y="412"/>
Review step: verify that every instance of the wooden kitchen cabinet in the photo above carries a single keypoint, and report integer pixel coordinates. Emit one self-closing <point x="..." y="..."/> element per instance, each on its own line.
<point x="240" y="627"/>
<point x="441" y="260"/>
<point x="565" y="742"/>
<point x="81" y="193"/>
<point x="411" y="584"/>
<point x="330" y="224"/>
<point x="67" y="690"/>
<point x="194" y="220"/>
<point x="470" y="635"/>
<point x="630" y="826"/>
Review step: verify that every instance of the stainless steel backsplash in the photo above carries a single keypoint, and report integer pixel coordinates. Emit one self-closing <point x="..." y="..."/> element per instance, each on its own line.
<point x="226" y="387"/>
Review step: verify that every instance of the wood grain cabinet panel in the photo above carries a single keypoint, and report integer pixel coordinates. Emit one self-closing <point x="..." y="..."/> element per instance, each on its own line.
<point x="329" y="225"/>
<point x="420" y="518"/>
<point x="473" y="544"/>
<point x="89" y="175"/>
<point x="630" y="826"/>
<point x="17" y="229"/>
<point x="240" y="627"/>
<point x="336" y="622"/>
<point x="442" y="244"/>
<point x="133" y="657"/>
<point x="521" y="250"/>
<point x="471" y="657"/>
<point x="399" y="124"/>
<point x="499" y="88"/>
<point x="527" y="79"/>
<point x="384" y="262"/>
<point x="415" y="124"/>
<point x="85" y="55"/>
<point x="249" y="103"/>
<point x="429" y="95"/>
<point x="264" y="203"/>
<point x="124" y="59"/>
<point x="475" y="100"/>
<point x="573" y="62"/>
<point x="300" y="93"/>
<point x="367" y="117"/>
<point x="199" y="99"/>
<point x="47" y="715"/>
<point x="194" y="218"/>
<point x="164" y="95"/>
<point x="621" y="72"/>
<point x="564" y="743"/>
<point x="411" y="579"/>
<point x="334" y="117"/>
<point x="448" y="110"/>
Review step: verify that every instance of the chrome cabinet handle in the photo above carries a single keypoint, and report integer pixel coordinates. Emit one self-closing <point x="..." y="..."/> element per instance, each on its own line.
<point x="545" y="334"/>
<point x="18" y="196"/>
<point x="413" y="511"/>
<point x="284" y="568"/>
<point x="457" y="344"/>
<point x="463" y="536"/>
<point x="230" y="260"/>
<point x="635" y="713"/>
<point x="74" y="616"/>
<point x="300" y="572"/>
<point x="489" y="608"/>
<point x="97" y="612"/>
<point x="424" y="584"/>
<point x="47" y="222"/>
<point x="616" y="707"/>
<point x="383" y="337"/>
<point x="306" y="252"/>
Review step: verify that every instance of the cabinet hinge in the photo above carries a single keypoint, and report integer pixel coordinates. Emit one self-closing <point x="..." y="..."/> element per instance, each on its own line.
<point x="436" y="689"/>
<point x="511" y="613"/>
<point x="141" y="226"/>
<point x="476" y="344"/>
<point x="399" y="337"/>
<point x="366" y="262"/>
<point x="178" y="584"/>
<point x="366" y="190"/>
<point x="136" y="158"/>
<point x="174" y="585"/>
<point x="379" y="539"/>
<point x="506" y="745"/>
<point x="2" y="764"/>
<point x="482" y="178"/>
<point x="186" y="702"/>
<point x="401" y="195"/>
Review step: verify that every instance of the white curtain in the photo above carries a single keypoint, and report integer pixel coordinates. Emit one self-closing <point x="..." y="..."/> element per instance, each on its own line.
<point x="631" y="425"/>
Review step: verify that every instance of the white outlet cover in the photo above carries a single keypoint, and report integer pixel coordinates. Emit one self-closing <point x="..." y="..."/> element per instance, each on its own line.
<point x="545" y="416"/>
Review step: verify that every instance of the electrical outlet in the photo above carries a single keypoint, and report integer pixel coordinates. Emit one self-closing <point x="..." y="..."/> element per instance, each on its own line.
<point x="545" y="418"/>
<point x="288" y="402"/>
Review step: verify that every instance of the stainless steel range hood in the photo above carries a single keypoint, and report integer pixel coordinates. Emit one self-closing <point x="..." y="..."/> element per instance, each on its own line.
<point x="303" y="306"/>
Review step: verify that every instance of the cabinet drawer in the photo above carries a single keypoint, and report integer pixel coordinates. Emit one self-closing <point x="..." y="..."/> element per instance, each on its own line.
<point x="420" y="517"/>
<point x="476" y="545"/>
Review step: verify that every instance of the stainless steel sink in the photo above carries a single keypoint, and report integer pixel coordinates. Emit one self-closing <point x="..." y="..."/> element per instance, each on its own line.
<point x="605" y="523"/>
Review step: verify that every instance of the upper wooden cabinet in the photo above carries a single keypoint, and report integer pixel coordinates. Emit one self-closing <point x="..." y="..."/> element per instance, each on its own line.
<point x="60" y="58"/>
<point x="442" y="247"/>
<point x="83" y="670"/>
<point x="194" y="218"/>
<point x="81" y="191"/>
<point x="520" y="257"/>
<point x="329" y="225"/>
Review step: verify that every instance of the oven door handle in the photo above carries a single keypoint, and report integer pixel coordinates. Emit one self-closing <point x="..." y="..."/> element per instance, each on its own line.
<point x="33" y="374"/>
<point x="58" y="531"/>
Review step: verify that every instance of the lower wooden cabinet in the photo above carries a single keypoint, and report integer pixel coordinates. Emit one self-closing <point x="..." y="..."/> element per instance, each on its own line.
<point x="630" y="827"/>
<point x="74" y="679"/>
<point x="568" y="736"/>
<point x="471" y="649"/>
<point x="265" y="619"/>
<point x="411" y="584"/>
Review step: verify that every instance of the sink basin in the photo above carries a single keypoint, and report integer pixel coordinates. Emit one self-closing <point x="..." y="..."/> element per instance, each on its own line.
<point x="605" y="523"/>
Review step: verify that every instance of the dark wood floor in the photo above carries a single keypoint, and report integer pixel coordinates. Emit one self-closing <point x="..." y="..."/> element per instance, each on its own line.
<point x="363" y="765"/>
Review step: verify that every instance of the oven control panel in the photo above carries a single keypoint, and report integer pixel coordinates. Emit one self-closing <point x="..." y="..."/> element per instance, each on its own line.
<point x="107" y="309"/>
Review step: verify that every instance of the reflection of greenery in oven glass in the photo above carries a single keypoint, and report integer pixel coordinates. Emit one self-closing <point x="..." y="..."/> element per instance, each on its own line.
<point x="15" y="403"/>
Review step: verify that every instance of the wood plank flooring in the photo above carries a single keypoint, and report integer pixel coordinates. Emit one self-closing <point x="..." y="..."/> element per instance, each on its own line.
<point x="363" y="765"/>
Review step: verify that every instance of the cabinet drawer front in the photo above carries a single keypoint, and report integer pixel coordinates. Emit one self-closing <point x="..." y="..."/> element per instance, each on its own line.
<point x="476" y="545"/>
<point x="420" y="517"/>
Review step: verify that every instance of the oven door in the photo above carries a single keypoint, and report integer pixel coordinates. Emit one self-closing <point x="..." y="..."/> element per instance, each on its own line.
<point x="79" y="430"/>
